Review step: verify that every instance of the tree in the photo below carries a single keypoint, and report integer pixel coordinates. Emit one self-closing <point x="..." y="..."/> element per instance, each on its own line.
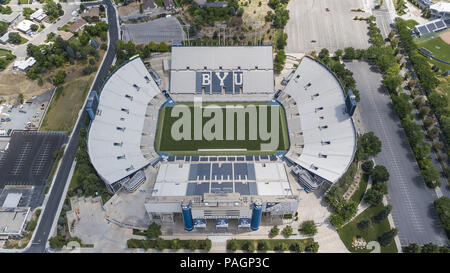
<point x="262" y="246"/>
<point x="20" y="98"/>
<point x="363" y="224"/>
<point x="430" y="248"/>
<point x="313" y="247"/>
<point x="287" y="231"/>
<point x="379" y="174"/>
<point x="296" y="247"/>
<point x="370" y="144"/>
<point x="281" y="39"/>
<point x="401" y="105"/>
<point x="349" y="53"/>
<point x="336" y="220"/>
<point x="383" y="214"/>
<point x="249" y="246"/>
<point x="387" y="237"/>
<point x="274" y="232"/>
<point x="281" y="246"/>
<point x="59" y="77"/>
<point x="308" y="228"/>
<point x="431" y="177"/>
<point x="153" y="231"/>
<point x="57" y="242"/>
<point x="14" y="38"/>
<point x="373" y="197"/>
<point x="3" y="28"/>
<point x="367" y="166"/>
<point x="232" y="245"/>
<point x="412" y="248"/>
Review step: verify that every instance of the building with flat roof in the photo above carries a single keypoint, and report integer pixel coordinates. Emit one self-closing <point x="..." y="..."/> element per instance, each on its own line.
<point x="12" y="217"/>
<point x="25" y="26"/>
<point x="10" y="19"/>
<point x="38" y="15"/>
<point x="23" y="65"/>
<point x="221" y="70"/>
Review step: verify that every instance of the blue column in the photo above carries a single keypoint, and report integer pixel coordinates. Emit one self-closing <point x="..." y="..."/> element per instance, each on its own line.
<point x="187" y="217"/>
<point x="256" y="215"/>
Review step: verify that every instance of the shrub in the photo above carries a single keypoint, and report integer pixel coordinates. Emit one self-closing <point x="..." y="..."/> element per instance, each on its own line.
<point x="153" y="231"/>
<point x="262" y="246"/>
<point x="313" y="247"/>
<point x="287" y="231"/>
<point x="232" y="245"/>
<point x="379" y="174"/>
<point x="274" y="232"/>
<point x="296" y="247"/>
<point x="363" y="224"/>
<point x="383" y="214"/>
<point x="367" y="166"/>
<point x="308" y="228"/>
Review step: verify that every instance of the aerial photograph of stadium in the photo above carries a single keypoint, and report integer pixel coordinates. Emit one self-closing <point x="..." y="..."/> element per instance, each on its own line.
<point x="190" y="127"/>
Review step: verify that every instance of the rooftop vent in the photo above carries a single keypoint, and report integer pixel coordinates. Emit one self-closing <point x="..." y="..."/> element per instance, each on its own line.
<point x="323" y="127"/>
<point x="120" y="128"/>
<point x="146" y="79"/>
<point x="327" y="142"/>
<point x="121" y="157"/>
<point x="129" y="168"/>
<point x="319" y="108"/>
<point x="118" y="144"/>
<point x="125" y="110"/>
<point x="129" y="97"/>
<point x="323" y="156"/>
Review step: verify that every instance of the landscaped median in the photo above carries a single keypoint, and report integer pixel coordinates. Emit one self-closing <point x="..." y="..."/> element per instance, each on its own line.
<point x="292" y="245"/>
<point x="161" y="244"/>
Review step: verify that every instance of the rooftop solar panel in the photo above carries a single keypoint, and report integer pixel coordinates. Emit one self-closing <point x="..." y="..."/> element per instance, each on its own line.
<point x="222" y="172"/>
<point x="171" y="158"/>
<point x="231" y="158"/>
<point x="213" y="159"/>
<point x="203" y="158"/>
<point x="179" y="158"/>
<point x="249" y="157"/>
<point x="202" y="188"/>
<point x="251" y="171"/>
<point x="431" y="27"/>
<point x="240" y="171"/>
<point x="423" y="30"/>
<point x="194" y="158"/>
<point x="440" y="24"/>
<point x="240" y="158"/>
<point x="222" y="159"/>
<point x="224" y="187"/>
<point x="242" y="188"/>
<point x="264" y="157"/>
<point x="253" y="189"/>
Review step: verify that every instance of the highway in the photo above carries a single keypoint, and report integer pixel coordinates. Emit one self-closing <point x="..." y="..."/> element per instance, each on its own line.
<point x="50" y="212"/>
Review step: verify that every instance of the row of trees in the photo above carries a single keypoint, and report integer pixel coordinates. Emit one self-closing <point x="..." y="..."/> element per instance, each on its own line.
<point x="124" y="51"/>
<point x="344" y="75"/>
<point x="427" y="248"/>
<point x="442" y="206"/>
<point x="161" y="244"/>
<point x="428" y="81"/>
<point x="264" y="245"/>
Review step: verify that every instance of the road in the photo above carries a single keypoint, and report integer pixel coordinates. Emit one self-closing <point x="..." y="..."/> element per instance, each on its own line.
<point x="51" y="209"/>
<point x="413" y="211"/>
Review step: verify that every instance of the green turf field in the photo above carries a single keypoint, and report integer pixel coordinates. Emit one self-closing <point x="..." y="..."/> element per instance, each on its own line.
<point x="438" y="47"/>
<point x="166" y="143"/>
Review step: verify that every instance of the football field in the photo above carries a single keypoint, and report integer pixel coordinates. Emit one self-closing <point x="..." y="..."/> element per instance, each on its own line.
<point x="222" y="143"/>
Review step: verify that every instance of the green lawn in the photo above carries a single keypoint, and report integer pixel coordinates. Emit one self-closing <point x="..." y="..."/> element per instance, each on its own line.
<point x="438" y="47"/>
<point x="4" y="52"/>
<point x="411" y="23"/>
<point x="166" y="143"/>
<point x="65" y="105"/>
<point x="359" y="193"/>
<point x="350" y="231"/>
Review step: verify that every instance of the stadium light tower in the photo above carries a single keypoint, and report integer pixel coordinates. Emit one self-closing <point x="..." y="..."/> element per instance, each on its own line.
<point x="224" y="27"/>
<point x="255" y="26"/>
<point x="187" y="26"/>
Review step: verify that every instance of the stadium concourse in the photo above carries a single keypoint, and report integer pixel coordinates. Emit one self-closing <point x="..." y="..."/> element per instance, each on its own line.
<point x="206" y="190"/>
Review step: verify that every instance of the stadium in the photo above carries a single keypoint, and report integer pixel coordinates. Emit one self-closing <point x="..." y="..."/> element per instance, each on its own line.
<point x="227" y="148"/>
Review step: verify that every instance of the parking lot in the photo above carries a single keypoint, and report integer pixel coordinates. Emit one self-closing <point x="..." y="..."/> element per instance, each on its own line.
<point x="311" y="27"/>
<point x="27" y="116"/>
<point x="166" y="30"/>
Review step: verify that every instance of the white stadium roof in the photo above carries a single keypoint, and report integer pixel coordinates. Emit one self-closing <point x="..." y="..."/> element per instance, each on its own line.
<point x="329" y="136"/>
<point x="115" y="134"/>
<point x="227" y="57"/>
<point x="253" y="63"/>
